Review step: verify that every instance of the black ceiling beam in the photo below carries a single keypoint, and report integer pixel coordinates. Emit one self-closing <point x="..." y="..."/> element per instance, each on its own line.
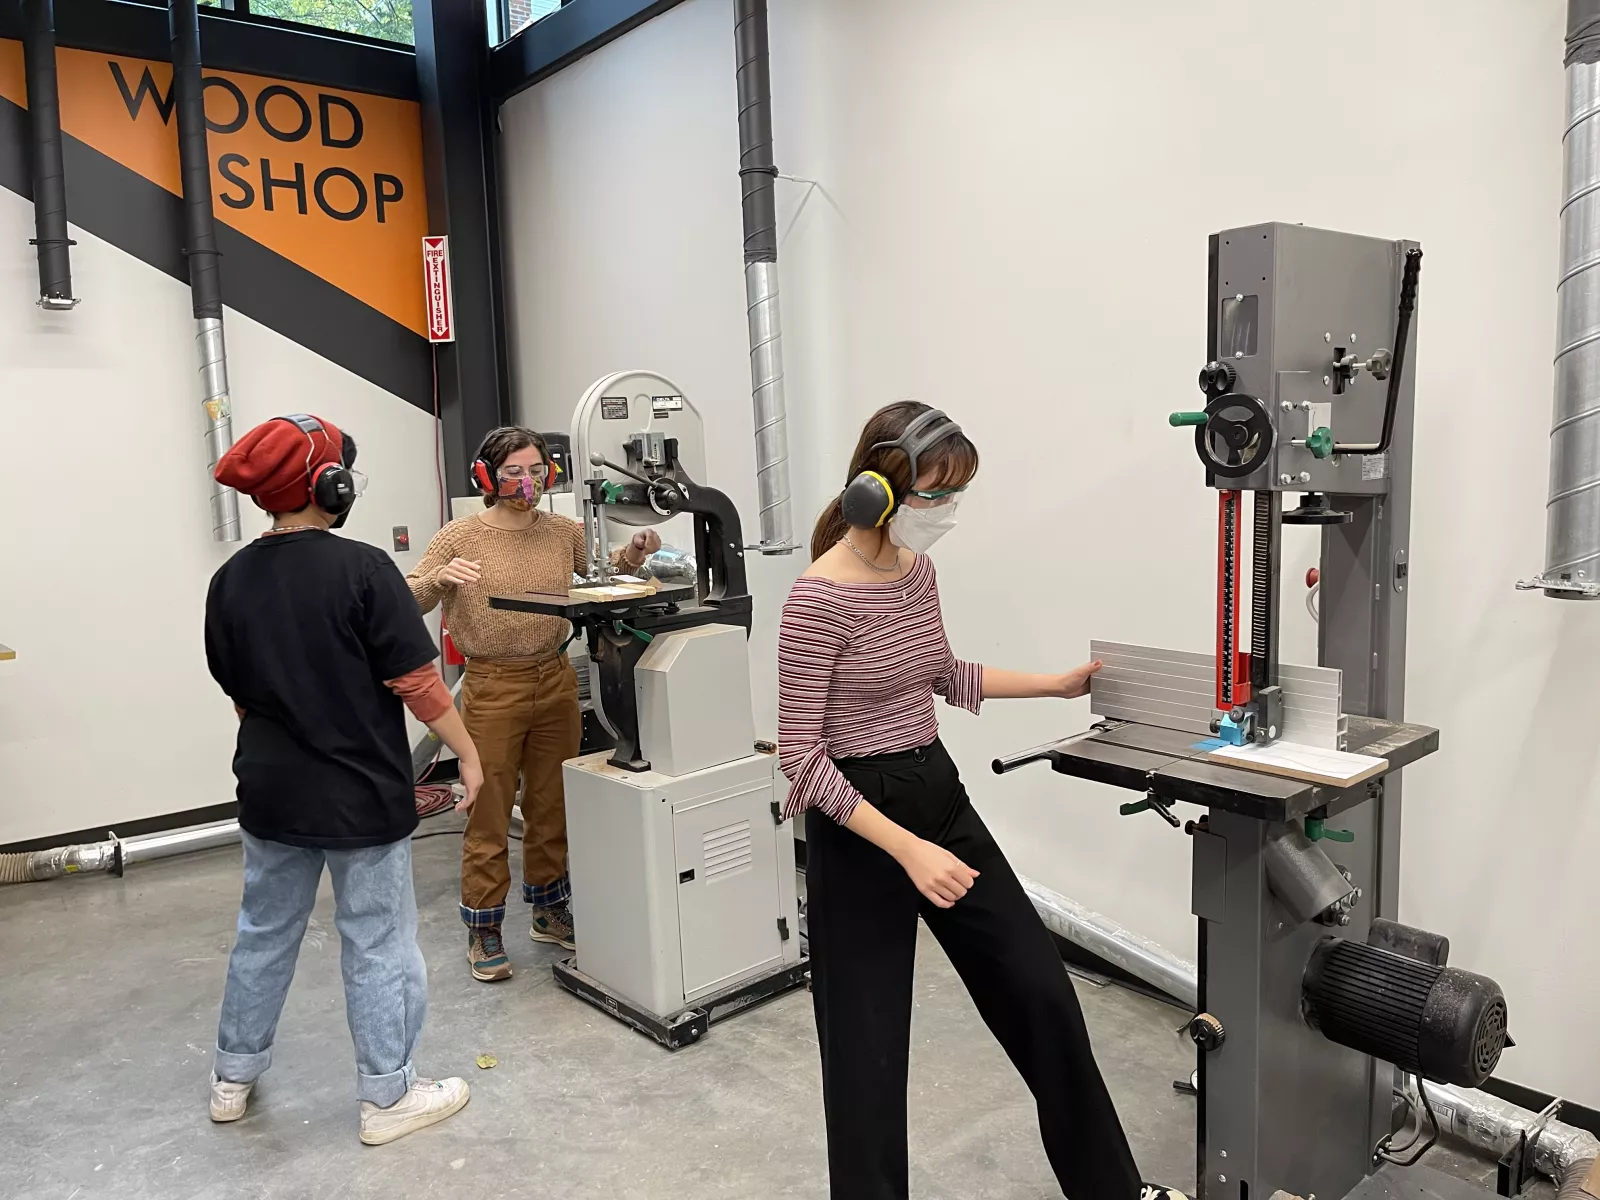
<point x="297" y="53"/>
<point x="458" y="151"/>
<point x="562" y="38"/>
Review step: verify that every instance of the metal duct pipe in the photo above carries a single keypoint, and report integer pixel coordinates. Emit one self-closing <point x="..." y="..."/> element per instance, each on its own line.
<point x="1572" y="514"/>
<point x="116" y="853"/>
<point x="1493" y="1125"/>
<point x="1139" y="956"/>
<point x="757" y="178"/>
<point x="200" y="242"/>
<point x="49" y="177"/>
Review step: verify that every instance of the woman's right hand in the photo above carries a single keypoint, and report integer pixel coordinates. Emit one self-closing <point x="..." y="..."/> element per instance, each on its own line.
<point x="459" y="571"/>
<point x="939" y="875"/>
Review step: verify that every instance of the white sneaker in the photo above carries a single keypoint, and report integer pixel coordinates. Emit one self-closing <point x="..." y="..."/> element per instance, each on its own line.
<point x="426" y="1102"/>
<point x="228" y="1100"/>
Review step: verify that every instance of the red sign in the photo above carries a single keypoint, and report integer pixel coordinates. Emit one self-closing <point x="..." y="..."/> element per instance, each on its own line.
<point x="441" y="303"/>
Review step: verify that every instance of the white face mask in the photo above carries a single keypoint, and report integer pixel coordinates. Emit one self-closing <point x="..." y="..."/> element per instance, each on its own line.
<point x="917" y="529"/>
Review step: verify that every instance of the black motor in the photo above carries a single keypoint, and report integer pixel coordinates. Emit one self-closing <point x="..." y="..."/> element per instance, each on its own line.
<point x="1441" y="1023"/>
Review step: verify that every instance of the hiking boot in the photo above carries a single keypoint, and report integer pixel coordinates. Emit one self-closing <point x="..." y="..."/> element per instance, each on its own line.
<point x="426" y="1102"/>
<point x="487" y="954"/>
<point x="553" y="925"/>
<point x="228" y="1100"/>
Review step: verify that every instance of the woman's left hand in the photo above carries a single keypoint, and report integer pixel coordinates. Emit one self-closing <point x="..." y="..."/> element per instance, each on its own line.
<point x="1074" y="683"/>
<point x="645" y="543"/>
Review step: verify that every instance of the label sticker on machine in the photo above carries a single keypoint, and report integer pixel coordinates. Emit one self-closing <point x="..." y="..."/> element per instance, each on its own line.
<point x="1374" y="466"/>
<point x="613" y="408"/>
<point x="663" y="406"/>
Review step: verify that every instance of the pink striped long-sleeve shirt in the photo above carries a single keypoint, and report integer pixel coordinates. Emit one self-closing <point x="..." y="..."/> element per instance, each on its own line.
<point x="858" y="667"/>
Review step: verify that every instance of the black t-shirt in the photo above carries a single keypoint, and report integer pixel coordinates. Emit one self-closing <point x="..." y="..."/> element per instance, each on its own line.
<point x="302" y="630"/>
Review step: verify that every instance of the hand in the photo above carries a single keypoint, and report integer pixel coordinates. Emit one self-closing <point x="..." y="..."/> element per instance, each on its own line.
<point x="938" y="874"/>
<point x="459" y="571"/>
<point x="1074" y="683"/>
<point x="472" y="780"/>
<point x="645" y="543"/>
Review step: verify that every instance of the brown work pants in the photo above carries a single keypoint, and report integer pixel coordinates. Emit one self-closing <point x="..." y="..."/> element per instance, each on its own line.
<point x="524" y="718"/>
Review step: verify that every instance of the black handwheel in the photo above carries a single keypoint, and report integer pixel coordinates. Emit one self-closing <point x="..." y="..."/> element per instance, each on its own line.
<point x="1237" y="436"/>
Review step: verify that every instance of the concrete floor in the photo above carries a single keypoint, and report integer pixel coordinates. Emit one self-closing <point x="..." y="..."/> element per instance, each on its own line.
<point x="108" y="1007"/>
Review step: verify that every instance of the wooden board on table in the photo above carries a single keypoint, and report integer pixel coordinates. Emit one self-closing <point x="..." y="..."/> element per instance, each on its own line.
<point x="614" y="591"/>
<point x="1313" y="764"/>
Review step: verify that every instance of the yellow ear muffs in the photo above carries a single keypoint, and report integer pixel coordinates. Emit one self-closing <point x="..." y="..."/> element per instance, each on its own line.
<point x="868" y="501"/>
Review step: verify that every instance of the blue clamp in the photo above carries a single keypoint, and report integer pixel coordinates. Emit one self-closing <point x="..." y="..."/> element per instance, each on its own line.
<point x="1231" y="732"/>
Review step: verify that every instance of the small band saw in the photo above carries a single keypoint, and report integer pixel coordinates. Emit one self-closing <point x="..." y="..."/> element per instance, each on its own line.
<point x="684" y="901"/>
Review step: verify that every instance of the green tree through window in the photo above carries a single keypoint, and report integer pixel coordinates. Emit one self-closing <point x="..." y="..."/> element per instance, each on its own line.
<point x="386" y="19"/>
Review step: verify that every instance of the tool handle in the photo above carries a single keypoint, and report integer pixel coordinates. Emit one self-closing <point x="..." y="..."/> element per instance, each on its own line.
<point x="1003" y="766"/>
<point x="1179" y="419"/>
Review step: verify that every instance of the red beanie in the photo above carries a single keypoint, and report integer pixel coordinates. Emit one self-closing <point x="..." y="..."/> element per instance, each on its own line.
<point x="273" y="463"/>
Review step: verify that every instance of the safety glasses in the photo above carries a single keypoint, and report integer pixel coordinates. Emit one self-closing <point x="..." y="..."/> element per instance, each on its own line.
<point x="933" y="499"/>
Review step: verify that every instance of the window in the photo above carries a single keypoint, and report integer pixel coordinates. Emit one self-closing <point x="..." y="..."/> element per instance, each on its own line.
<point x="516" y="15"/>
<point x="386" y="20"/>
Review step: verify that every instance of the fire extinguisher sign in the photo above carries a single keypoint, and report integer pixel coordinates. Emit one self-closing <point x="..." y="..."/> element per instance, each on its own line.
<point x="436" y="280"/>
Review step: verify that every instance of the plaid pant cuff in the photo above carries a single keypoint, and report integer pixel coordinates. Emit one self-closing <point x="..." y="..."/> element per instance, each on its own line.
<point x="548" y="895"/>
<point x="483" y="918"/>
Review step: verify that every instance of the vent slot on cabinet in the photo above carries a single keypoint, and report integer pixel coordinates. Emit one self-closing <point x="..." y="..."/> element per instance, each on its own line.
<point x="726" y="850"/>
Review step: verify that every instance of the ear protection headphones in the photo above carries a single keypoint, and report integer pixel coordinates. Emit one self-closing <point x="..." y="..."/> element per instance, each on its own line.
<point x="484" y="475"/>
<point x="868" y="499"/>
<point x="333" y="489"/>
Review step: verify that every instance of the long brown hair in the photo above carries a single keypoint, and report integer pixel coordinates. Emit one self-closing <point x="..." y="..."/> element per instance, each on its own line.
<point x="955" y="459"/>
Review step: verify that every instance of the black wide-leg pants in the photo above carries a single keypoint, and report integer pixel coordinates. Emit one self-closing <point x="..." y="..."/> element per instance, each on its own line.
<point x="862" y="915"/>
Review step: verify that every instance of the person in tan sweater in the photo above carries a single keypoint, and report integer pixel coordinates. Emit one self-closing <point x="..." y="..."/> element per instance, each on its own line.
<point x="520" y="695"/>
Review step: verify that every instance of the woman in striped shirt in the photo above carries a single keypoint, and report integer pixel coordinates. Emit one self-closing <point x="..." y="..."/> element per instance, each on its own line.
<point x="891" y="834"/>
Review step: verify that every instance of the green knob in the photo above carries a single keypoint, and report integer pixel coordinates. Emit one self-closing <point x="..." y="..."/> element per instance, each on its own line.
<point x="1317" y="831"/>
<point x="1320" y="443"/>
<point x="1179" y="420"/>
<point x="612" y="491"/>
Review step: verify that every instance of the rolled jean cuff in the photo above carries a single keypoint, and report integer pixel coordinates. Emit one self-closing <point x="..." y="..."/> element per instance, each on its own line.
<point x="483" y="918"/>
<point x="241" y="1068"/>
<point x="385" y="1090"/>
<point x="548" y="895"/>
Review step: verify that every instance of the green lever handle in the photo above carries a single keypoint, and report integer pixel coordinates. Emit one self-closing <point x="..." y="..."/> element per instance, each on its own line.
<point x="1316" y="831"/>
<point x="1135" y="806"/>
<point x="1179" y="419"/>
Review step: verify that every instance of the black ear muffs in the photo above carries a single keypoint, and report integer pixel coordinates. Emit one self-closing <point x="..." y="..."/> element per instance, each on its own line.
<point x="333" y="488"/>
<point x="868" y="501"/>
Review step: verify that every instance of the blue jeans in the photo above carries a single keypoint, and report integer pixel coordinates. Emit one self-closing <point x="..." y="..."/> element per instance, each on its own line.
<point x="385" y="979"/>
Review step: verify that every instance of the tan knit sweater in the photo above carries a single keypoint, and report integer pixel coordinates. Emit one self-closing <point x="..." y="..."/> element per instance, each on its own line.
<point x="541" y="558"/>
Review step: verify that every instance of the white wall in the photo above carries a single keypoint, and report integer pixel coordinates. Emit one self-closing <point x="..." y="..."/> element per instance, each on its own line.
<point x="1013" y="225"/>
<point x="108" y="713"/>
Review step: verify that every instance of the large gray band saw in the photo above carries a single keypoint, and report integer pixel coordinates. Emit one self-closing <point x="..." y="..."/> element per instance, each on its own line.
<point x="1315" y="1001"/>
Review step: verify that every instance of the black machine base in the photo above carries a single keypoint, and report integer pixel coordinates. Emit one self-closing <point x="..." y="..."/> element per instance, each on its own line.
<point x="692" y="1024"/>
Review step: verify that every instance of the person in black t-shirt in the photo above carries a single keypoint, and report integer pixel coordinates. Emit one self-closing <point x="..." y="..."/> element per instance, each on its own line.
<point x="318" y="642"/>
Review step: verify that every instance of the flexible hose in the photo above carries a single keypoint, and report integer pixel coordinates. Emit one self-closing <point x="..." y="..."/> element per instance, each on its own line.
<point x="14" y="868"/>
<point x="1573" y="1179"/>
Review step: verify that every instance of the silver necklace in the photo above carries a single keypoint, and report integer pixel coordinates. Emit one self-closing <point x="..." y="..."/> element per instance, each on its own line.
<point x="856" y="550"/>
